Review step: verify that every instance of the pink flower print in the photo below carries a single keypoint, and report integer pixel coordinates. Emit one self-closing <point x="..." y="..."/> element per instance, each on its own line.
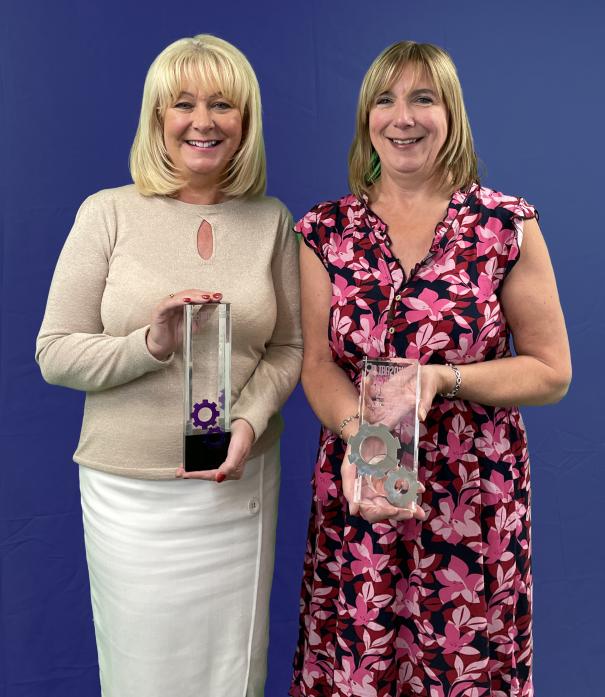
<point x="497" y="547"/>
<point x="427" y="304"/>
<point x="325" y="487"/>
<point x="468" y="351"/>
<point x="494" y="620"/>
<point x="381" y="273"/>
<point x="457" y="450"/>
<point x="354" y="682"/>
<point x="406" y="646"/>
<point x="311" y="669"/>
<point x="484" y="289"/>
<point x="493" y="443"/>
<point x="367" y="562"/>
<point x="406" y="599"/>
<point x="370" y="337"/>
<point x="491" y="237"/>
<point x="362" y="614"/>
<point x="457" y="581"/>
<point x="306" y="225"/>
<point x="455" y="522"/>
<point x="342" y="291"/>
<point x="425" y="338"/>
<point x="438" y="268"/>
<point x="339" y="328"/>
<point x="496" y="489"/>
<point x="339" y="250"/>
<point x="453" y="641"/>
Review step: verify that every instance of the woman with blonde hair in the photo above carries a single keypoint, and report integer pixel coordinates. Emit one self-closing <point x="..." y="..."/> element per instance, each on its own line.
<point x="180" y="568"/>
<point x="421" y="261"/>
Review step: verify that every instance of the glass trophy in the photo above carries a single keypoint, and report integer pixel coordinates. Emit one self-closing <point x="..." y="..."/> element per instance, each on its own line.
<point x="385" y="449"/>
<point x="207" y="385"/>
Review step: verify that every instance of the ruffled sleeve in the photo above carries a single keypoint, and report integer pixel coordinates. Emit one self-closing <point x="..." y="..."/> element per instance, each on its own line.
<point x="315" y="228"/>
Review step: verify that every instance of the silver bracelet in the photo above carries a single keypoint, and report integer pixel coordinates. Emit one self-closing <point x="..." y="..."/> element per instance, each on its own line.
<point x="346" y="421"/>
<point x="457" y="384"/>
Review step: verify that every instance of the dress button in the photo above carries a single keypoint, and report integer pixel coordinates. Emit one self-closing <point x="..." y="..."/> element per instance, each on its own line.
<point x="253" y="505"/>
<point x="398" y="297"/>
<point x="391" y="330"/>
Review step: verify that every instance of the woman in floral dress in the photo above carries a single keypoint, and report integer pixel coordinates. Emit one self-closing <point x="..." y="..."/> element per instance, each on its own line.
<point x="421" y="261"/>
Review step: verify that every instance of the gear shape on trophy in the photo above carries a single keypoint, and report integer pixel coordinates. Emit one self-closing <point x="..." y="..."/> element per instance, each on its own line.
<point x="398" y="496"/>
<point x="390" y="442"/>
<point x="198" y="407"/>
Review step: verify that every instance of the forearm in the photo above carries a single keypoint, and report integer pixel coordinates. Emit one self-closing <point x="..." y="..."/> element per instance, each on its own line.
<point x="512" y="381"/>
<point x="272" y="382"/>
<point x="331" y="394"/>
<point x="93" y="362"/>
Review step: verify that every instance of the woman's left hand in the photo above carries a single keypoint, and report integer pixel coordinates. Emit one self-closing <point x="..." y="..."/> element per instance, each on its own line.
<point x="242" y="438"/>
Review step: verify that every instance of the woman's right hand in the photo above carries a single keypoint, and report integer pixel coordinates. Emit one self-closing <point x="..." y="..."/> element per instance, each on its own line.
<point x="165" y="331"/>
<point x="379" y="508"/>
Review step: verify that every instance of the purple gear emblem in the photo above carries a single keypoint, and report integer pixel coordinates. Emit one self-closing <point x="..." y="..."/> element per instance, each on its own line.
<point x="197" y="408"/>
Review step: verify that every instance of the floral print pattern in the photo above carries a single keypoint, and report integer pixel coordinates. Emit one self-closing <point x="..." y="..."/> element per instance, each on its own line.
<point x="440" y="608"/>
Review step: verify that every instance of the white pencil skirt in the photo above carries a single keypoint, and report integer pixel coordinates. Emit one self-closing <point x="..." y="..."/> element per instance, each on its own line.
<point x="180" y="576"/>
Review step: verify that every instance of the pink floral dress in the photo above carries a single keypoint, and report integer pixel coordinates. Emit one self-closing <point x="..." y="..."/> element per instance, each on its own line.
<point x="440" y="608"/>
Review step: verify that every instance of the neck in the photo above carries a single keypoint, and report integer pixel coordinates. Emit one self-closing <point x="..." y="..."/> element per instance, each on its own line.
<point x="409" y="190"/>
<point x="200" y="194"/>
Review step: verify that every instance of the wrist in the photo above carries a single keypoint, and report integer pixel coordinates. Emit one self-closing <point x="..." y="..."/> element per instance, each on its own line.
<point x="155" y="349"/>
<point x="451" y="381"/>
<point x="348" y="426"/>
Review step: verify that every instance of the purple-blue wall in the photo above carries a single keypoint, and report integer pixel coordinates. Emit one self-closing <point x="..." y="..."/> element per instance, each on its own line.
<point x="70" y="86"/>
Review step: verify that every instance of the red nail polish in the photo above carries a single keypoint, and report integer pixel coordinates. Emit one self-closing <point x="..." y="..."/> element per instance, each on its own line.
<point x="186" y="300"/>
<point x="206" y="297"/>
<point x="217" y="295"/>
<point x="220" y="477"/>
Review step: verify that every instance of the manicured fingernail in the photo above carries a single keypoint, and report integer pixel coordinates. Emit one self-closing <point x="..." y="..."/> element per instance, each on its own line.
<point x="220" y="477"/>
<point x="186" y="300"/>
<point x="206" y="297"/>
<point x="217" y="295"/>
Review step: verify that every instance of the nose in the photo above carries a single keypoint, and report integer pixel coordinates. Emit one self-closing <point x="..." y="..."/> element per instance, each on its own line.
<point x="202" y="118"/>
<point x="404" y="116"/>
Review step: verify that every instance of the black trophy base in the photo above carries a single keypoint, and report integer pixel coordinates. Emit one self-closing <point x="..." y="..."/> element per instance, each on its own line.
<point x="206" y="451"/>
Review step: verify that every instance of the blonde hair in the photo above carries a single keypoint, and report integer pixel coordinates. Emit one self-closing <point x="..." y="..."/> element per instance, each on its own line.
<point x="219" y="66"/>
<point x="457" y="160"/>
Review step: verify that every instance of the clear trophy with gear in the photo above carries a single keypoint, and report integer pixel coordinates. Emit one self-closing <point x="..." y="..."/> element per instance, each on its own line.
<point x="385" y="449"/>
<point x="207" y="385"/>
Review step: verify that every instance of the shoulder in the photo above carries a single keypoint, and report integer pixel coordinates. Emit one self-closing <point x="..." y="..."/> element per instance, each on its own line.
<point x="327" y="215"/>
<point x="110" y="202"/>
<point x="497" y="204"/>
<point x="264" y="205"/>
<point x="117" y="195"/>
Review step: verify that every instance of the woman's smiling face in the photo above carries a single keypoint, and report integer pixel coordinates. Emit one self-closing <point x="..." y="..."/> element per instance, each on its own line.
<point x="408" y="126"/>
<point x="202" y="132"/>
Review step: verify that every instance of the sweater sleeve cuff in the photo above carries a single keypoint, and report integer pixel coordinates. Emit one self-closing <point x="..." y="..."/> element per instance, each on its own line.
<point x="257" y="420"/>
<point x="148" y="362"/>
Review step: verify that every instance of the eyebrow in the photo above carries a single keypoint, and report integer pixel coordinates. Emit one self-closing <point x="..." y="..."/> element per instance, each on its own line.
<point x="192" y="96"/>
<point x="413" y="93"/>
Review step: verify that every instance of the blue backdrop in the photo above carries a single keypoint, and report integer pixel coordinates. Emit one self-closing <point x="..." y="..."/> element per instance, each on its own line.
<point x="70" y="86"/>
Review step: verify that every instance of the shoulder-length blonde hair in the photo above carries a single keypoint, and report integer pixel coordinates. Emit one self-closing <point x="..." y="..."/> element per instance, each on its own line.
<point x="457" y="160"/>
<point x="219" y="66"/>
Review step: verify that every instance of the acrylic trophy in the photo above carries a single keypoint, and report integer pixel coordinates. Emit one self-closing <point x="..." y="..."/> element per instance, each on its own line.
<point x="207" y="385"/>
<point x="385" y="449"/>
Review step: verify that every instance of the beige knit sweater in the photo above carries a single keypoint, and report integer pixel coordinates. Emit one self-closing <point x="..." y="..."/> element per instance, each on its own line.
<point x="124" y="254"/>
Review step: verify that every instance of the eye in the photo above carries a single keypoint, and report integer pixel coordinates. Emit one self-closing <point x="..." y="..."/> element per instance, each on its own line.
<point x="222" y="106"/>
<point x="383" y="99"/>
<point x="424" y="99"/>
<point x="183" y="105"/>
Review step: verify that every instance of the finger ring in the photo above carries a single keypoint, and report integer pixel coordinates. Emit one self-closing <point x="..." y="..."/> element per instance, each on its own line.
<point x="171" y="295"/>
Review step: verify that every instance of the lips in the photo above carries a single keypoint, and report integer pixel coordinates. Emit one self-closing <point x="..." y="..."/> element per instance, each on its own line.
<point x="203" y="144"/>
<point x="405" y="141"/>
